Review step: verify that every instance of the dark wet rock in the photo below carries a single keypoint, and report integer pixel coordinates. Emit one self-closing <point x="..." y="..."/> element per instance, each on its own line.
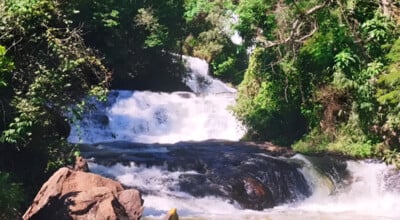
<point x="100" y="119"/>
<point x="185" y="95"/>
<point x="244" y="173"/>
<point x="333" y="169"/>
<point x="252" y="194"/>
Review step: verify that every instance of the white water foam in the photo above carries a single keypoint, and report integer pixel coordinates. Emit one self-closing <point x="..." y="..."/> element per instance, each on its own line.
<point x="149" y="117"/>
<point x="365" y="198"/>
<point x="157" y="117"/>
<point x="161" y="192"/>
<point x="366" y="193"/>
<point x="199" y="81"/>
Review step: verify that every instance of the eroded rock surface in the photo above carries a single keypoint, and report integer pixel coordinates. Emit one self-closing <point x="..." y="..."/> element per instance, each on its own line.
<point x="70" y="194"/>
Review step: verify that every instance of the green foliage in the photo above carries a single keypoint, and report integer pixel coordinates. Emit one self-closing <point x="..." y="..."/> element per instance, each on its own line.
<point x="195" y="8"/>
<point x="11" y="197"/>
<point x="254" y="19"/>
<point x="314" y="142"/>
<point x="318" y="54"/>
<point x="132" y="35"/>
<point x="391" y="157"/>
<point x="51" y="69"/>
<point x="208" y="24"/>
<point x="379" y="32"/>
<point x="345" y="59"/>
<point x="327" y="61"/>
<point x="388" y="96"/>
<point x="224" y="67"/>
<point x="349" y="140"/>
<point x="364" y="10"/>
<point x="230" y="64"/>
<point x="266" y="104"/>
<point x="251" y="105"/>
<point x="6" y="66"/>
<point x="110" y="19"/>
<point x="157" y="32"/>
<point x="389" y="83"/>
<point x="19" y="131"/>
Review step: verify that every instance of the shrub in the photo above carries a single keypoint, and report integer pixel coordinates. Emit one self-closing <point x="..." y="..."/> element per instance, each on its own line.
<point x="11" y="196"/>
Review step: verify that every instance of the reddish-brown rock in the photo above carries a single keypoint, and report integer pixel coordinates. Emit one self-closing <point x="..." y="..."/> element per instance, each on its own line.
<point x="252" y="194"/>
<point x="70" y="194"/>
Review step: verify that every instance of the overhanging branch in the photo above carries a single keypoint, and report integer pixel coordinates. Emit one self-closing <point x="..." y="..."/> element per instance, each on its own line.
<point x="296" y="30"/>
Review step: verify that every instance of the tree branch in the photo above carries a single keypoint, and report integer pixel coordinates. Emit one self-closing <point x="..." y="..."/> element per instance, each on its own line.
<point x="317" y="7"/>
<point x="295" y="32"/>
<point x="303" y="38"/>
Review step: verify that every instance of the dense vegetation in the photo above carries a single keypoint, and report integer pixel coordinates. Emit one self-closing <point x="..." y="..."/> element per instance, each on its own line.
<point x="323" y="75"/>
<point x="324" y="70"/>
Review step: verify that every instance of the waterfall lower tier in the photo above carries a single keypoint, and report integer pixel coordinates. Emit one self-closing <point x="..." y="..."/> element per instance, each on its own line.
<point x="366" y="188"/>
<point x="240" y="174"/>
<point x="230" y="180"/>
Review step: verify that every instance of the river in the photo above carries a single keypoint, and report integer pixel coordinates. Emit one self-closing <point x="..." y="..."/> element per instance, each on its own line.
<point x="181" y="151"/>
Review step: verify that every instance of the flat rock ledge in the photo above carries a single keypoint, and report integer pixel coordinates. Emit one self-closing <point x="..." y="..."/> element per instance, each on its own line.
<point x="77" y="195"/>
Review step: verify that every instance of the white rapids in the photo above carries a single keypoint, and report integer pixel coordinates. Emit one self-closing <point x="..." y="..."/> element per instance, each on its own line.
<point x="368" y="196"/>
<point x="158" y="117"/>
<point x="371" y="193"/>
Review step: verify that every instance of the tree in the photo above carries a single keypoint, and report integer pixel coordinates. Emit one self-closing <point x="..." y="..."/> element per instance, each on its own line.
<point x="209" y="28"/>
<point x="326" y="61"/>
<point x="6" y="66"/>
<point x="11" y="198"/>
<point x="51" y="70"/>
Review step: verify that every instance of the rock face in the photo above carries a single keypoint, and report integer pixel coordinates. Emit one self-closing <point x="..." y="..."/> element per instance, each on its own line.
<point x="70" y="194"/>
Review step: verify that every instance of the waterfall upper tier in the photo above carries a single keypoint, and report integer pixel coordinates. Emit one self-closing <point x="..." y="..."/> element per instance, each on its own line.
<point x="199" y="81"/>
<point x="149" y="117"/>
<point x="158" y="117"/>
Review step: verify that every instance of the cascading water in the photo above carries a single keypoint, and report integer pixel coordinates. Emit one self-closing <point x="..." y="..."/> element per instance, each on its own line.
<point x="157" y="117"/>
<point x="371" y="192"/>
<point x="368" y="190"/>
<point x="137" y="137"/>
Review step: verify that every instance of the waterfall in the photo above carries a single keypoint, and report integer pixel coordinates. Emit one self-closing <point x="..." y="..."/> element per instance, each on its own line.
<point x="195" y="176"/>
<point x="180" y="150"/>
<point x="339" y="189"/>
<point x="158" y="117"/>
<point x="158" y="179"/>
<point x="370" y="190"/>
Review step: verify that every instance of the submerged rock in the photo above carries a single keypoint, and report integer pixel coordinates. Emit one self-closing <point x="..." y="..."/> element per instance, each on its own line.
<point x="70" y="194"/>
<point x="253" y="194"/>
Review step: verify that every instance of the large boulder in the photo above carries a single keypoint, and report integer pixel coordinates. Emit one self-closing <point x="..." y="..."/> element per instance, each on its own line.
<point x="70" y="194"/>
